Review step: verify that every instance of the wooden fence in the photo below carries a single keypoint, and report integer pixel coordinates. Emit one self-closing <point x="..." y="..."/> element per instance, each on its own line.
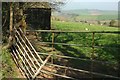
<point x="68" y="57"/>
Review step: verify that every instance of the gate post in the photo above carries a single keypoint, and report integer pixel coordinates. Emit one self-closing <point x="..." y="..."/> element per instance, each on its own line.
<point x="10" y="40"/>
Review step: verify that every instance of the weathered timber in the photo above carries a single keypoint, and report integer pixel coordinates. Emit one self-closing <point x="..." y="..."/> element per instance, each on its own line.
<point x="31" y="46"/>
<point x="26" y="53"/>
<point x="28" y="48"/>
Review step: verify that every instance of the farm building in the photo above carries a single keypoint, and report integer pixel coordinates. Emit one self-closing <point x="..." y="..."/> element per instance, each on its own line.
<point x="38" y="16"/>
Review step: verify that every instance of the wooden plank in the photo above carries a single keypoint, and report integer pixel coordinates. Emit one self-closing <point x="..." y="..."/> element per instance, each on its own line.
<point x="22" y="67"/>
<point x="25" y="58"/>
<point x="26" y="52"/>
<point x="24" y="62"/>
<point x="28" y="48"/>
<point x="38" y="71"/>
<point x="16" y="60"/>
<point x="31" y="46"/>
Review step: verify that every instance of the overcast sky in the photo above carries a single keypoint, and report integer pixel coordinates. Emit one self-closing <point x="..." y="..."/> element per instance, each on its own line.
<point x="91" y="4"/>
<point x="93" y="0"/>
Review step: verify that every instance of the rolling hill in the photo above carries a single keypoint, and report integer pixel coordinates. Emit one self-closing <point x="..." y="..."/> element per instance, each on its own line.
<point x="90" y="14"/>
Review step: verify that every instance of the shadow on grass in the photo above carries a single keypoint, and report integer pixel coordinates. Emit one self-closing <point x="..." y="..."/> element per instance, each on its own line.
<point x="112" y="54"/>
<point x="105" y="54"/>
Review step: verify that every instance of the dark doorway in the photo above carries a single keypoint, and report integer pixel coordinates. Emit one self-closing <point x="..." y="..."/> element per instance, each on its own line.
<point x="38" y="18"/>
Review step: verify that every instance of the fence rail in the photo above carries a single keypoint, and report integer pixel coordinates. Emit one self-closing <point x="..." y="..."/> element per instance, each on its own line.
<point x="93" y="46"/>
<point x="60" y="31"/>
<point x="32" y="69"/>
<point x="76" y="58"/>
<point x="79" y="45"/>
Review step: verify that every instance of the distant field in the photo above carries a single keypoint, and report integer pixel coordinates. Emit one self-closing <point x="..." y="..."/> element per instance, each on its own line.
<point x="91" y="14"/>
<point x="80" y="26"/>
<point x="91" y="11"/>
<point x="97" y="17"/>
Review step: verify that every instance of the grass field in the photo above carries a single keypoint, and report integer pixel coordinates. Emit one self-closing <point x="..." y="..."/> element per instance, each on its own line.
<point x="107" y="45"/>
<point x="80" y="26"/>
<point x="85" y="39"/>
<point x="8" y="68"/>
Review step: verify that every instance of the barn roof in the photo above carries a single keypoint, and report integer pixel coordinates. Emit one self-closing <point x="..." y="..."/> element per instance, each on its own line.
<point x="38" y="5"/>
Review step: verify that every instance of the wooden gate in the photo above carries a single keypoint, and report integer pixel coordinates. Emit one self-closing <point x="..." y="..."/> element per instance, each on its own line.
<point x="26" y="57"/>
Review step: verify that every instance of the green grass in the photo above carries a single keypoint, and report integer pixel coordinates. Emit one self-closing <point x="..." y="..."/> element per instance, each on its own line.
<point x="8" y="69"/>
<point x="85" y="39"/>
<point x="105" y="40"/>
<point x="80" y="27"/>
